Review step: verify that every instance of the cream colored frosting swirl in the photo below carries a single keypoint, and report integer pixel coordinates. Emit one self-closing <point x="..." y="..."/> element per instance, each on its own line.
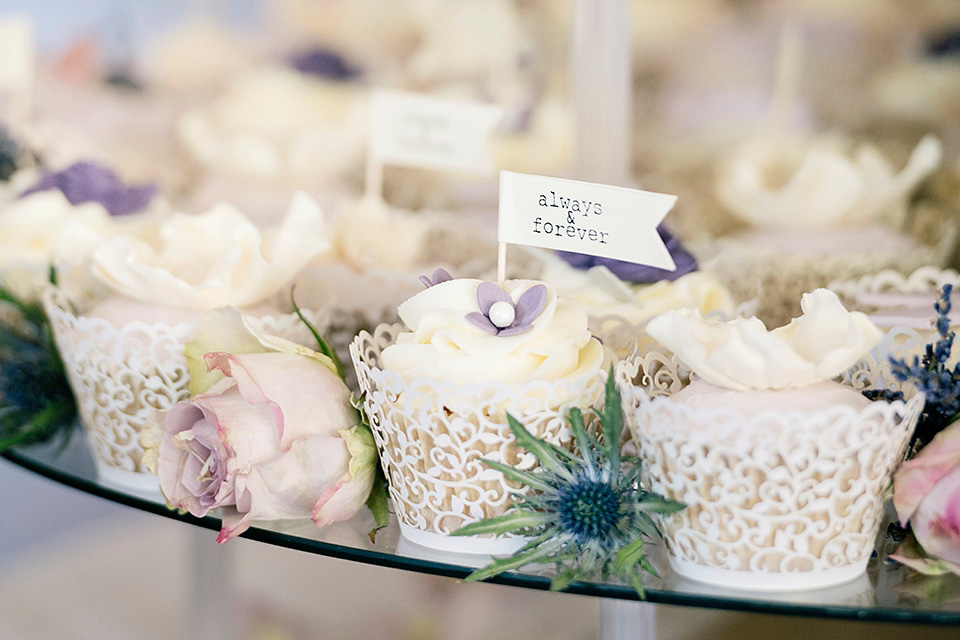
<point x="444" y="345"/>
<point x="741" y="354"/>
<point x="215" y="259"/>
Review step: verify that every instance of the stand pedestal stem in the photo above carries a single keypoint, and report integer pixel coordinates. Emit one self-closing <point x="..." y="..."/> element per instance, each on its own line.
<point x="211" y="608"/>
<point x="626" y="620"/>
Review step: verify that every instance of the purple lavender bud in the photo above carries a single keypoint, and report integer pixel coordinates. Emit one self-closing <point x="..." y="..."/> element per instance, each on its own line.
<point x="90" y="182"/>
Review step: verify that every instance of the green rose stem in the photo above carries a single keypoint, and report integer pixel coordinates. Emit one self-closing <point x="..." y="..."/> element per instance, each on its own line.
<point x="585" y="511"/>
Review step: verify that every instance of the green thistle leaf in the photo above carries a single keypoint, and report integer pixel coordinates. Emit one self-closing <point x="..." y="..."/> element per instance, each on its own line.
<point x="516" y="521"/>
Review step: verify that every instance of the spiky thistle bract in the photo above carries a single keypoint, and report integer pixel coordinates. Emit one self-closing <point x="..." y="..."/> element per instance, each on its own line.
<point x="930" y="374"/>
<point x="36" y="403"/>
<point x="585" y="511"/>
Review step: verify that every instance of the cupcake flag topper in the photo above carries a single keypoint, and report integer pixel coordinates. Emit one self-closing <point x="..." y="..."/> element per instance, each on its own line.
<point x="413" y="130"/>
<point x="583" y="217"/>
<point x="16" y="69"/>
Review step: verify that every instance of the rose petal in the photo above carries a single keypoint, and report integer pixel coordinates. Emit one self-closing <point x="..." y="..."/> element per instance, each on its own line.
<point x="343" y="500"/>
<point x="222" y="330"/>
<point x="249" y="431"/>
<point x="489" y="293"/>
<point x="917" y="476"/>
<point x="309" y="399"/>
<point x="482" y="322"/>
<point x="531" y="304"/>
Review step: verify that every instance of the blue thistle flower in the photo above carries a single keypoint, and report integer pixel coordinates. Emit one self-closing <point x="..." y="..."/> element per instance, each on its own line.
<point x="931" y="375"/>
<point x="35" y="399"/>
<point x="586" y="512"/>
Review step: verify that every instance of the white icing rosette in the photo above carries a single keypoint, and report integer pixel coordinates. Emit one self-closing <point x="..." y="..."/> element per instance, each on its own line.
<point x="784" y="182"/>
<point x="278" y="125"/>
<point x="215" y="259"/>
<point x="783" y="471"/>
<point x="437" y="398"/>
<point x="124" y="355"/>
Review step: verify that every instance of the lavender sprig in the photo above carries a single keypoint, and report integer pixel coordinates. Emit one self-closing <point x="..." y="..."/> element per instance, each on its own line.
<point x="931" y="375"/>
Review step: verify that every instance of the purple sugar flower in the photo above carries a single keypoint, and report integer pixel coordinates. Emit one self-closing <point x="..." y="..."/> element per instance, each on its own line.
<point x="323" y="63"/>
<point x="639" y="273"/>
<point x="440" y="275"/>
<point x="91" y="182"/>
<point x="500" y="316"/>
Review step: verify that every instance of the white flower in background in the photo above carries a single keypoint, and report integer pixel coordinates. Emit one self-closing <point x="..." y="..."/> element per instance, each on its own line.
<point x="215" y="259"/>
<point x="783" y="181"/>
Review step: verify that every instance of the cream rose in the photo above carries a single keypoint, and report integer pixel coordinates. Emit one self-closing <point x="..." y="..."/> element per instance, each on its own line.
<point x="446" y="344"/>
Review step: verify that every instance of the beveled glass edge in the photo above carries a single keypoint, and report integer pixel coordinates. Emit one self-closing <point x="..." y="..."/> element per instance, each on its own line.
<point x="878" y="613"/>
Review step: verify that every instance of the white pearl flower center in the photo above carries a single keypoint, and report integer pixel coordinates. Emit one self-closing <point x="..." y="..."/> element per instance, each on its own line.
<point x="502" y="314"/>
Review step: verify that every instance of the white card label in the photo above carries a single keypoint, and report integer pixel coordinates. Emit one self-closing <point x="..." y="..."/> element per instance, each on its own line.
<point x="431" y="133"/>
<point x="16" y="54"/>
<point x="595" y="219"/>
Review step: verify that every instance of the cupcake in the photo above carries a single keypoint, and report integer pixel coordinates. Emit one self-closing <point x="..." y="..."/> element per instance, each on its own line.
<point x="438" y="389"/>
<point x="782" y="468"/>
<point x="818" y="208"/>
<point x="273" y="129"/>
<point x="892" y="299"/>
<point x="124" y="352"/>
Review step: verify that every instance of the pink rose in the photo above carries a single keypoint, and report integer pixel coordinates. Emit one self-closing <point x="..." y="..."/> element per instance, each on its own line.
<point x="275" y="438"/>
<point x="926" y="492"/>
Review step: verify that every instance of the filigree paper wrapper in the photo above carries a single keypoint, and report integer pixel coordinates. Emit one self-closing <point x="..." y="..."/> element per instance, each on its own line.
<point x="120" y="376"/>
<point x="432" y="435"/>
<point x="780" y="501"/>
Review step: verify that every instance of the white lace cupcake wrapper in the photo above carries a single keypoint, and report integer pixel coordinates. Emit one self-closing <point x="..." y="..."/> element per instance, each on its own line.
<point x="432" y="435"/>
<point x="778" y="493"/>
<point x="120" y="376"/>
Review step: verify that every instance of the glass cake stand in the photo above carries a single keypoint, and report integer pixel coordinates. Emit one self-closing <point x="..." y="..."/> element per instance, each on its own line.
<point x="887" y="592"/>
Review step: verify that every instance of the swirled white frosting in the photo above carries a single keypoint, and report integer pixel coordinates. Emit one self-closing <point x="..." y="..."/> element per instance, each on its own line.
<point x="215" y="259"/>
<point x="444" y="345"/>
<point x="793" y="182"/>
<point x="276" y="122"/>
<point x="741" y="354"/>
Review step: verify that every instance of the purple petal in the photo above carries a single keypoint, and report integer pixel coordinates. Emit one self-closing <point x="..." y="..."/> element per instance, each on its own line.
<point x="515" y="329"/>
<point x="632" y="272"/>
<point x="441" y="275"/>
<point x="531" y="304"/>
<point x="323" y="63"/>
<point x="90" y="182"/>
<point x="482" y="322"/>
<point x="426" y="281"/>
<point x="488" y="293"/>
